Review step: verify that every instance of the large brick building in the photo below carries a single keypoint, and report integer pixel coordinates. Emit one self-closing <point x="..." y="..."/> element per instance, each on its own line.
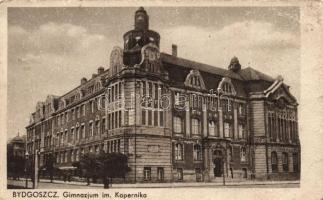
<point x="175" y="119"/>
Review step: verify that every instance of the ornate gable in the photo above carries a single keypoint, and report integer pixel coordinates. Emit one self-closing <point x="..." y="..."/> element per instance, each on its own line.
<point x="226" y="86"/>
<point x="195" y="80"/>
<point x="279" y="93"/>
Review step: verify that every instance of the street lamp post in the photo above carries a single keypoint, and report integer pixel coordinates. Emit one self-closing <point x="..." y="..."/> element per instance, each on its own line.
<point x="220" y="94"/>
<point x="35" y="182"/>
<point x="26" y="163"/>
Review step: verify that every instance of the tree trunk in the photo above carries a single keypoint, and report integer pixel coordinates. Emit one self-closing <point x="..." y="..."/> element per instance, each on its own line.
<point x="88" y="180"/>
<point x="51" y="177"/>
<point x="106" y="182"/>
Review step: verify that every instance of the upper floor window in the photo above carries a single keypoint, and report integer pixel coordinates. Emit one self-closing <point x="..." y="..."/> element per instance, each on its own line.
<point x="92" y="106"/>
<point x="274" y="162"/>
<point x="82" y="110"/>
<point x="178" y="151"/>
<point x="227" y="129"/>
<point x="178" y="125"/>
<point x="213" y="129"/>
<point x="196" y="126"/>
<point x="197" y="152"/>
<point x="78" y="112"/>
<point x="83" y="131"/>
<point x="241" y="109"/>
<point x="227" y="105"/>
<point x="91" y="128"/>
<point x="97" y="127"/>
<point x="241" y="130"/>
<point x="227" y="88"/>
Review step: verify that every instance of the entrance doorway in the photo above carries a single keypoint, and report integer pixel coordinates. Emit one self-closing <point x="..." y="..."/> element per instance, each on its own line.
<point x="217" y="167"/>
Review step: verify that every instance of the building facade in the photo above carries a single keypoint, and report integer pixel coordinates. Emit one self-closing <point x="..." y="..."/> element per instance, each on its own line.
<point x="175" y="119"/>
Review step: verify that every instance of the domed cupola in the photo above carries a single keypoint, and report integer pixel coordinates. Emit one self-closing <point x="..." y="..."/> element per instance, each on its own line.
<point x="234" y="64"/>
<point x="135" y="39"/>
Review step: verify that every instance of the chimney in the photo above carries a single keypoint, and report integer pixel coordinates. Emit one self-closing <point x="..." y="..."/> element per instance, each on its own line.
<point x="100" y="70"/>
<point x="83" y="80"/>
<point x="174" y="50"/>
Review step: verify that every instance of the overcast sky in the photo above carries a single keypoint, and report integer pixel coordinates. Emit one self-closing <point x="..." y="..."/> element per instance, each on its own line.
<point x="51" y="49"/>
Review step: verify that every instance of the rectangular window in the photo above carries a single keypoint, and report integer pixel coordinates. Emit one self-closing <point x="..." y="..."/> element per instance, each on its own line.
<point x="91" y="105"/>
<point x="241" y="131"/>
<point x="112" y="120"/>
<point x="241" y="109"/>
<point x="97" y="127"/>
<point x="91" y="129"/>
<point x="143" y="88"/>
<point x="285" y="162"/>
<point x="178" y="125"/>
<point x="120" y="119"/>
<point x="77" y="133"/>
<point x="196" y="126"/>
<point x="155" y="118"/>
<point x="149" y="117"/>
<point x="161" y="118"/>
<point x="295" y="163"/>
<point x="179" y="174"/>
<point x="176" y="96"/>
<point x="147" y="173"/>
<point x="83" y="131"/>
<point x="109" y="121"/>
<point x="82" y="110"/>
<point x="160" y="173"/>
<point x="227" y="129"/>
<point x="72" y="114"/>
<point x="103" y="125"/>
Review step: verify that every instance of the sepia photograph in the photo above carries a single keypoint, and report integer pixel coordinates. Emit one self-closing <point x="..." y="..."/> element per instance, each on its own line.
<point x="110" y="103"/>
<point x="147" y="96"/>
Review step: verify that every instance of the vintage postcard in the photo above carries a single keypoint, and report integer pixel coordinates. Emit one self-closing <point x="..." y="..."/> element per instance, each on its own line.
<point x="161" y="100"/>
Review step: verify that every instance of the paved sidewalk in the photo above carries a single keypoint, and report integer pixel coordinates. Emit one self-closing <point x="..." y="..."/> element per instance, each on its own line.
<point x="163" y="185"/>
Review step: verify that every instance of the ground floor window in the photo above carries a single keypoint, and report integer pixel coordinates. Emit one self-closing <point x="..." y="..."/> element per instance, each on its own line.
<point x="295" y="163"/>
<point x="198" y="173"/>
<point x="197" y="153"/>
<point x="160" y="173"/>
<point x="147" y="173"/>
<point x="179" y="174"/>
<point x="274" y="162"/>
<point x="285" y="162"/>
<point x="245" y="173"/>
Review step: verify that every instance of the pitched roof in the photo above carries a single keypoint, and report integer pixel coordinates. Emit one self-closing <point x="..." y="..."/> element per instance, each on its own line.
<point x="174" y="60"/>
<point x="250" y="74"/>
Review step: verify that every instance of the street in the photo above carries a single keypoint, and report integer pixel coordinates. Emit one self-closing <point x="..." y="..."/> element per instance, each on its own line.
<point x="45" y="184"/>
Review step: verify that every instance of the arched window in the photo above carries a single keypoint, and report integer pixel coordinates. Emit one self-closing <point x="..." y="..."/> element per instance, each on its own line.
<point x="178" y="151"/>
<point x="285" y="162"/>
<point x="243" y="154"/>
<point x="274" y="162"/>
<point x="178" y="125"/>
<point x="196" y="126"/>
<point x="227" y="88"/>
<point x="213" y="129"/>
<point x="197" y="152"/>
